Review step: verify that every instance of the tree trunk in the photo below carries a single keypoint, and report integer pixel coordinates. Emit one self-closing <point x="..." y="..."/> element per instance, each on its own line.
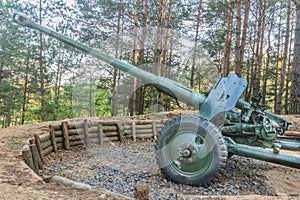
<point x="166" y="50"/>
<point x="57" y="86"/>
<point x="278" y="60"/>
<point x="167" y="38"/>
<point x="160" y="35"/>
<point x="141" y="91"/>
<point x="244" y="36"/>
<point x="135" y="57"/>
<point x="227" y="41"/>
<point x="266" y="75"/>
<point x="25" y="92"/>
<point x="288" y="79"/>
<point x="238" y="39"/>
<point x="114" y="109"/>
<point x="284" y="62"/>
<point x="295" y="90"/>
<point x="259" y="49"/>
<point x="195" y="45"/>
<point x="42" y="89"/>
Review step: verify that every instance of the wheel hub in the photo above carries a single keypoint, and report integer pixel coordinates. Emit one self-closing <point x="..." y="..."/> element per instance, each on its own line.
<point x="187" y="153"/>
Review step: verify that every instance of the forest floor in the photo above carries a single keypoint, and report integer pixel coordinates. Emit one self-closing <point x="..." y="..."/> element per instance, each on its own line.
<point x="17" y="181"/>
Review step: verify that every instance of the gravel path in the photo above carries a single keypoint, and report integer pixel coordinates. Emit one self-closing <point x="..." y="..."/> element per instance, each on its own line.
<point x="118" y="167"/>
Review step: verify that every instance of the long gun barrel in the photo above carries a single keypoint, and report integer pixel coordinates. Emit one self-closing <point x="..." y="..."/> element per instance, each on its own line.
<point x="165" y="85"/>
<point x="198" y="150"/>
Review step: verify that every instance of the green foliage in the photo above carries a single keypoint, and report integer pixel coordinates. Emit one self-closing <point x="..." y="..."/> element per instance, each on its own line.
<point x="77" y="85"/>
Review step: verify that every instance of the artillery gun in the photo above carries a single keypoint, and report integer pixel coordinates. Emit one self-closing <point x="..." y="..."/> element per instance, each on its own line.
<point x="194" y="149"/>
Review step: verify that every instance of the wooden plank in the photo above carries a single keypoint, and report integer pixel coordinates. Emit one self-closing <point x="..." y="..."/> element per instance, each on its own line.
<point x="59" y="140"/>
<point x="76" y="131"/>
<point x="110" y="128"/>
<point x="129" y="132"/>
<point x="148" y="121"/>
<point x="65" y="135"/>
<point x="39" y="147"/>
<point x="48" y="150"/>
<point x="44" y="138"/>
<point x="76" y="143"/>
<point x="75" y="125"/>
<point x="147" y="126"/>
<point x="58" y="133"/>
<point x="56" y="127"/>
<point x="105" y="139"/>
<point x="53" y="140"/>
<point x="107" y="134"/>
<point x="46" y="144"/>
<point x="60" y="145"/>
<point x="104" y="122"/>
<point x="145" y="135"/>
<point x="74" y="137"/>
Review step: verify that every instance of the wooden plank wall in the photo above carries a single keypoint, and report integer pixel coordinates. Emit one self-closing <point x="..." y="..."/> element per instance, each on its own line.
<point x="86" y="132"/>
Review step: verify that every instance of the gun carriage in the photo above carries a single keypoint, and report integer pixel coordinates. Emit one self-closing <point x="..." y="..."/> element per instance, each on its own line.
<point x="194" y="149"/>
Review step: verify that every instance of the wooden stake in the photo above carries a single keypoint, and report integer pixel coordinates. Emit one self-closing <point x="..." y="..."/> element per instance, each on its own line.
<point x="100" y="133"/>
<point x="154" y="130"/>
<point x="86" y="132"/>
<point x="26" y="153"/>
<point x="120" y="131"/>
<point x="52" y="137"/>
<point x="35" y="154"/>
<point x="35" y="157"/>
<point x="141" y="191"/>
<point x="133" y="130"/>
<point x="39" y="148"/>
<point x="66" y="140"/>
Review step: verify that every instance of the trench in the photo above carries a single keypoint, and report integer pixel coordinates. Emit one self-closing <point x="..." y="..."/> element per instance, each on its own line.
<point x="117" y="154"/>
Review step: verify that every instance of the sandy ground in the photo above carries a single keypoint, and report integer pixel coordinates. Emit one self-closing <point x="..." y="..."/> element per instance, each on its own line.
<point x="17" y="181"/>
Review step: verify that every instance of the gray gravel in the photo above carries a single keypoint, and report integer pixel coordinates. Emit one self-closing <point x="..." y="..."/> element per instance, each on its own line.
<point x="118" y="167"/>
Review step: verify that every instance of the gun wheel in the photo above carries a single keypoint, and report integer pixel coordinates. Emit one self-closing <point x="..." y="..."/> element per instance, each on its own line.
<point x="191" y="150"/>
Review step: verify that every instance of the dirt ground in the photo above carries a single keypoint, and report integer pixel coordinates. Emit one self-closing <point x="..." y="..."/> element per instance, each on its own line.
<point x="17" y="181"/>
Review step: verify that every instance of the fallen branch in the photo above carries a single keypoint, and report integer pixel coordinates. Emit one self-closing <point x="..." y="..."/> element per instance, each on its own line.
<point x="83" y="186"/>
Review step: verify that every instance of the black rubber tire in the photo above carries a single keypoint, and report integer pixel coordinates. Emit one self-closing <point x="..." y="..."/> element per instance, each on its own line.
<point x="188" y="127"/>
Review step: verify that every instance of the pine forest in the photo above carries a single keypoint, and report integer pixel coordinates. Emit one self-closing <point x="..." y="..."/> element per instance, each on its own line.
<point x="193" y="42"/>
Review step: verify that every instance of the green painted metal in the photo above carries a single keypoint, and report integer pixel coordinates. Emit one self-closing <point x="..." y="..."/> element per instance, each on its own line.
<point x="242" y="124"/>
<point x="289" y="143"/>
<point x="165" y="85"/>
<point x="262" y="154"/>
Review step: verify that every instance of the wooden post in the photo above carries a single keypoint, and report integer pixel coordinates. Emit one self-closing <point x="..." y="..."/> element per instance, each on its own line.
<point x="39" y="148"/>
<point x="35" y="155"/>
<point x="120" y="131"/>
<point x="26" y="153"/>
<point x="65" y="134"/>
<point x="133" y="131"/>
<point x="100" y="133"/>
<point x="141" y="191"/>
<point x="86" y="132"/>
<point x="53" y="140"/>
<point x="154" y="129"/>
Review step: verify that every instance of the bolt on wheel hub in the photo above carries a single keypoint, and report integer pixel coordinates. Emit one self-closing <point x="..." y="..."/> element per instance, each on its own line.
<point x="187" y="153"/>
